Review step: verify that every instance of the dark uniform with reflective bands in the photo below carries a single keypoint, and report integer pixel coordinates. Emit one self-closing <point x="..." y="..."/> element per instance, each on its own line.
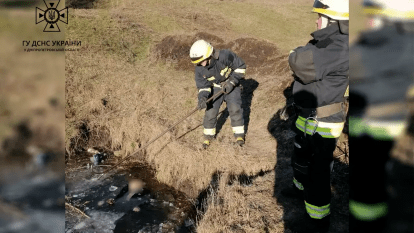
<point x="321" y="79"/>
<point x="382" y="69"/>
<point x="224" y="65"/>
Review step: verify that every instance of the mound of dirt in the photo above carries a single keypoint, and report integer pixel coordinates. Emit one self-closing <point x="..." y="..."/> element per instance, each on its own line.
<point x="215" y="40"/>
<point x="261" y="57"/>
<point x="176" y="49"/>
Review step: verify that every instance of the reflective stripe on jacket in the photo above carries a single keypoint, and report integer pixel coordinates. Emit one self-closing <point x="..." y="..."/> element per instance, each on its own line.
<point x="224" y="65"/>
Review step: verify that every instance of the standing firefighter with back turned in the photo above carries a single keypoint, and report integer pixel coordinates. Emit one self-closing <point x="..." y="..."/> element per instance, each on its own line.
<point x="320" y="70"/>
<point x="218" y="70"/>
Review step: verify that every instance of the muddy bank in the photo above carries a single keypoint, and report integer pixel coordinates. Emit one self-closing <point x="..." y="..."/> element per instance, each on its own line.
<point x="262" y="57"/>
<point x="157" y="208"/>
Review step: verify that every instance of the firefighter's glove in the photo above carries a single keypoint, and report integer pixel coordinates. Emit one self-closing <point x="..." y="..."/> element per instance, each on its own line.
<point x="228" y="87"/>
<point x="202" y="103"/>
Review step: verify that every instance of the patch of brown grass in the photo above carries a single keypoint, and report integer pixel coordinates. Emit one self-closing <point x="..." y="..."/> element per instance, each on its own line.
<point x="236" y="208"/>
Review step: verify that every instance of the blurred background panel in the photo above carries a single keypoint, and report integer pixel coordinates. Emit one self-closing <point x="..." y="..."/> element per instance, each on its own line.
<point x="31" y="122"/>
<point x="381" y="116"/>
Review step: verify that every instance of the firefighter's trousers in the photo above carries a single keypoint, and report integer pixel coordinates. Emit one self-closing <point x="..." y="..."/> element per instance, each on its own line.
<point x="311" y="164"/>
<point x="368" y="196"/>
<point x="234" y="102"/>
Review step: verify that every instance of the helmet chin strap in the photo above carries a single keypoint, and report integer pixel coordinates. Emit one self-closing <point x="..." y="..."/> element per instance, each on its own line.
<point x="324" y="21"/>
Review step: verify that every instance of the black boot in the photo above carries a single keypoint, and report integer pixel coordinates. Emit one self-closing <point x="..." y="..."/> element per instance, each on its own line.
<point x="293" y="192"/>
<point x="207" y="141"/>
<point x="306" y="224"/>
<point x="206" y="144"/>
<point x="240" y="141"/>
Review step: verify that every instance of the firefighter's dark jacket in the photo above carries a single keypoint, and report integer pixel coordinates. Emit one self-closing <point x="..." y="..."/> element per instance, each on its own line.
<point x="222" y="67"/>
<point x="321" y="68"/>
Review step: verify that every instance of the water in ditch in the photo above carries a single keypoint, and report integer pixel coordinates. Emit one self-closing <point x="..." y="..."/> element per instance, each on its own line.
<point x="105" y="205"/>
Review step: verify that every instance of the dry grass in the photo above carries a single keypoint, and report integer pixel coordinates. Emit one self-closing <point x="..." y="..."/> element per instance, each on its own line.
<point x="246" y="209"/>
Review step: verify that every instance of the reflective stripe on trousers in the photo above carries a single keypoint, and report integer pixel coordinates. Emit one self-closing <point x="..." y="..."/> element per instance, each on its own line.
<point x="210" y="132"/>
<point x="318" y="212"/>
<point x="238" y="129"/>
<point x="297" y="184"/>
<point x="367" y="212"/>
<point x="325" y="129"/>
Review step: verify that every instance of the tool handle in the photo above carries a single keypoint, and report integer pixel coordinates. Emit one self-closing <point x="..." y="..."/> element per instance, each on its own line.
<point x="215" y="96"/>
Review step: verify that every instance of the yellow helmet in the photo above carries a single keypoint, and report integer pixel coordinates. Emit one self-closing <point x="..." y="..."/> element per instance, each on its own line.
<point x="334" y="9"/>
<point x="200" y="51"/>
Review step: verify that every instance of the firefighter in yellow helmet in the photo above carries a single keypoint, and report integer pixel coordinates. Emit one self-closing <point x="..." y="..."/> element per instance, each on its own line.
<point x="218" y="70"/>
<point x="320" y="69"/>
<point x="381" y="70"/>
